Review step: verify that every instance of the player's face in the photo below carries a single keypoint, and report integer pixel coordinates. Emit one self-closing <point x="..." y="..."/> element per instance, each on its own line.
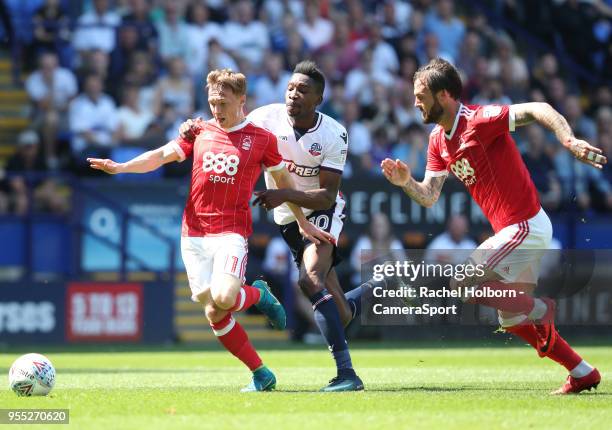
<point x="225" y="106"/>
<point x="302" y="96"/>
<point x="424" y="100"/>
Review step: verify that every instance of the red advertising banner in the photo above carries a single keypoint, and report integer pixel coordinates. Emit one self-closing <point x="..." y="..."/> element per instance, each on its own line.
<point x="104" y="311"/>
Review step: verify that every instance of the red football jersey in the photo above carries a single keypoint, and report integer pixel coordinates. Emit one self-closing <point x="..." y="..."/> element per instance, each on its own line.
<point x="226" y="165"/>
<point x="481" y="153"/>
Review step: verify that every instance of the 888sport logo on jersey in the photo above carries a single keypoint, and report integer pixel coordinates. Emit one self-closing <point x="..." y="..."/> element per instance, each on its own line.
<point x="223" y="166"/>
<point x="464" y="171"/>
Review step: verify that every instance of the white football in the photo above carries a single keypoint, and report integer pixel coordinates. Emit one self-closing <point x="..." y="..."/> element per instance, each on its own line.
<point x="32" y="375"/>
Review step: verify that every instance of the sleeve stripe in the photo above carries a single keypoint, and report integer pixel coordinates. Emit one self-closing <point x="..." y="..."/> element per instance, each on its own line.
<point x="275" y="168"/>
<point x="330" y="169"/>
<point x="435" y="174"/>
<point x="177" y="148"/>
<point x="512" y="119"/>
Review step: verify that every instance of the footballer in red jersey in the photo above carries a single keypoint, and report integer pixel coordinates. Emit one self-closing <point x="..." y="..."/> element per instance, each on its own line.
<point x="474" y="143"/>
<point x="229" y="154"/>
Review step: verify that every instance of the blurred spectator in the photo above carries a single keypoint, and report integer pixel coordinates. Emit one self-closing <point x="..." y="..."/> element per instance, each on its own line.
<point x="578" y="179"/>
<point x="394" y="16"/>
<point x="175" y="89"/>
<point x="132" y="120"/>
<point x="470" y="52"/>
<point x="50" y="89"/>
<point x="492" y="93"/>
<point x="270" y="87"/>
<point x="384" y="57"/>
<point x="453" y="246"/>
<point x="448" y="29"/>
<point x="127" y="46"/>
<point x="96" y="29"/>
<point x="52" y="31"/>
<point x="379" y="243"/>
<point x="200" y="31"/>
<point x="93" y="121"/>
<point x="360" y="81"/>
<point x="431" y="49"/>
<point x="141" y="74"/>
<point x="359" y="22"/>
<point x="541" y="168"/>
<point x="138" y="18"/>
<point x="580" y="124"/>
<point x="573" y="20"/>
<point x="24" y="185"/>
<point x="296" y="49"/>
<point x="218" y="58"/>
<point x="244" y="36"/>
<point x="360" y="141"/>
<point x="546" y="69"/>
<point x="334" y="105"/>
<point x="506" y="58"/>
<point x="315" y="30"/>
<point x="173" y="32"/>
<point x="381" y="149"/>
<point x="342" y="49"/>
<point x="556" y="93"/>
<point x="411" y="148"/>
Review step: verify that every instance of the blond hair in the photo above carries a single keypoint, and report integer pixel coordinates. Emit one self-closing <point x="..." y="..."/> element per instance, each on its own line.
<point x="227" y="78"/>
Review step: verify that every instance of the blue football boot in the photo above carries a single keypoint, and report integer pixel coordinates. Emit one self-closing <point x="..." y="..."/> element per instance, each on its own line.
<point x="348" y="382"/>
<point x="263" y="380"/>
<point x="270" y="306"/>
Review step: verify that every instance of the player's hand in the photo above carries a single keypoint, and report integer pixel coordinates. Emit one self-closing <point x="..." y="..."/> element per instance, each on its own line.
<point x="586" y="153"/>
<point x="397" y="172"/>
<point x="312" y="233"/>
<point x="189" y="129"/>
<point x="269" y="199"/>
<point x="104" y="164"/>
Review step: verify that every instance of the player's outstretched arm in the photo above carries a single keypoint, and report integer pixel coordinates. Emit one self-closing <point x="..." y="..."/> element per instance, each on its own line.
<point x="425" y="193"/>
<point x="545" y="114"/>
<point x="283" y="181"/>
<point x="143" y="163"/>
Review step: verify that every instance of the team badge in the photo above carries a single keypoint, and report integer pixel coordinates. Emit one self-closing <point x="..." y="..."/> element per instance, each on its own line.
<point x="246" y="143"/>
<point x="315" y="149"/>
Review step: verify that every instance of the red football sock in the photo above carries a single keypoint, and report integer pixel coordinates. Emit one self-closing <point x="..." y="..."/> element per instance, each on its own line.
<point x="527" y="332"/>
<point x="235" y="340"/>
<point x="521" y="304"/>
<point x="247" y="297"/>
<point x="563" y="354"/>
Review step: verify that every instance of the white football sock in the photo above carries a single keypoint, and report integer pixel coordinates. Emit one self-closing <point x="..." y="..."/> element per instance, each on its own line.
<point x="512" y="321"/>
<point x="539" y="309"/>
<point x="583" y="369"/>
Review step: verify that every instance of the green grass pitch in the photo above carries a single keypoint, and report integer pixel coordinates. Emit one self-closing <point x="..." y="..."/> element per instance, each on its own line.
<point x="503" y="387"/>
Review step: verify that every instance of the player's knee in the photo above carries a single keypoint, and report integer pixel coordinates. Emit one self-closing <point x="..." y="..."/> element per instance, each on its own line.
<point x="224" y="299"/>
<point x="310" y="284"/>
<point x="213" y="313"/>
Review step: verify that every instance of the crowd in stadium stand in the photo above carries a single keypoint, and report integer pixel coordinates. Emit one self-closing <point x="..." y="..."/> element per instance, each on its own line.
<point x="114" y="75"/>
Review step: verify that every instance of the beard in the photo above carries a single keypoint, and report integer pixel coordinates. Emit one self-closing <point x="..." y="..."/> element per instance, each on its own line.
<point x="434" y="114"/>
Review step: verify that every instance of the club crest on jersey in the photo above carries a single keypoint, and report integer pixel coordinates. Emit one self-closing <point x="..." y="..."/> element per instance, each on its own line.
<point x="463" y="171"/>
<point x="246" y="142"/>
<point x="315" y="149"/>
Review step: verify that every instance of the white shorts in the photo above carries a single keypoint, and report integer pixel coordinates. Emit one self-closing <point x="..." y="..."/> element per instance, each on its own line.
<point x="515" y="252"/>
<point x="206" y="258"/>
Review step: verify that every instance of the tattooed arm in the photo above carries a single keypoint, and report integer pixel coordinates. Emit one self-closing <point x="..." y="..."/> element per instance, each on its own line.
<point x="546" y="115"/>
<point x="425" y="193"/>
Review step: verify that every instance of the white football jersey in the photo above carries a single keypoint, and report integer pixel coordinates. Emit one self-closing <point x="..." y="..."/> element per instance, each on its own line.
<point x="324" y="146"/>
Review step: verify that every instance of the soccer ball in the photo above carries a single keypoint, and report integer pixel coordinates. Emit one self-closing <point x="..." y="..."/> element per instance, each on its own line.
<point x="32" y="375"/>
